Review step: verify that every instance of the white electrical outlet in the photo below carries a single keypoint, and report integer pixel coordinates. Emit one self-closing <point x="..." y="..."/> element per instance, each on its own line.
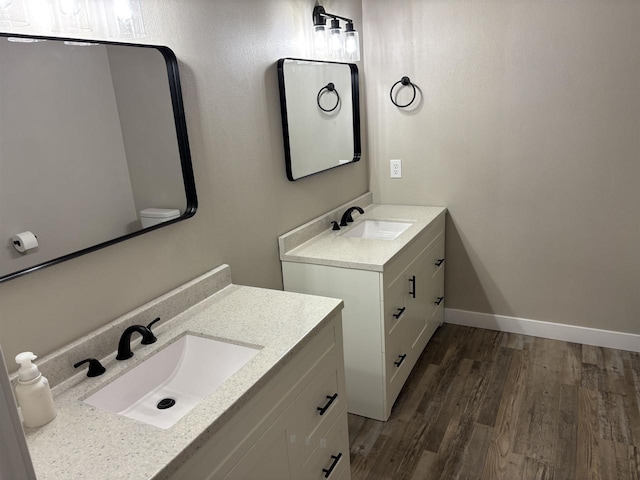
<point x="396" y="168"/>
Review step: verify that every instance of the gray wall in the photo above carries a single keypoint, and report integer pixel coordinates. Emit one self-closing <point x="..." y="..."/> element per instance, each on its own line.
<point x="148" y="129"/>
<point x="57" y="106"/>
<point x="529" y="132"/>
<point x="227" y="51"/>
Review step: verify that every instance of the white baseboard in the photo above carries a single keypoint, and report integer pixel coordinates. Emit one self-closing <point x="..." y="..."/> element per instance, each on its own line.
<point x="537" y="328"/>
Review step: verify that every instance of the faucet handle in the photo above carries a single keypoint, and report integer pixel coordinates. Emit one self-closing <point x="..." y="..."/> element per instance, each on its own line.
<point x="95" y="367"/>
<point x="335" y="226"/>
<point x="151" y="338"/>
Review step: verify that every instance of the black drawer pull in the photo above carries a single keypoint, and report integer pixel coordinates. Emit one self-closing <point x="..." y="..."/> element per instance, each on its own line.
<point x="413" y="286"/>
<point x="400" y="312"/>
<point x="439" y="262"/>
<point x="331" y="398"/>
<point x="439" y="301"/>
<point x="399" y="362"/>
<point x="336" y="459"/>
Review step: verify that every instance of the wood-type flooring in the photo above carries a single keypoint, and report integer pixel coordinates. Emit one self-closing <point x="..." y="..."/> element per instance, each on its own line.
<point x="488" y="405"/>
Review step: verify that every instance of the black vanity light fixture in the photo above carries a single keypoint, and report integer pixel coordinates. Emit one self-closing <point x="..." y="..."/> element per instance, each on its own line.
<point x="333" y="43"/>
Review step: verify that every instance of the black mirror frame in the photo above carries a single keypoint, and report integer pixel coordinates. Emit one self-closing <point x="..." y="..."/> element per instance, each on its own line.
<point x="183" y="148"/>
<point x="355" y="105"/>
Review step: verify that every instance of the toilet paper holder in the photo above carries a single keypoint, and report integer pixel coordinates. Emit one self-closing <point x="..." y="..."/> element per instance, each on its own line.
<point x="24" y="241"/>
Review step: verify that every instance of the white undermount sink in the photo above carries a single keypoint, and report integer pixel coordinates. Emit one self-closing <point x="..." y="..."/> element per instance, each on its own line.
<point x="377" y="229"/>
<point x="185" y="372"/>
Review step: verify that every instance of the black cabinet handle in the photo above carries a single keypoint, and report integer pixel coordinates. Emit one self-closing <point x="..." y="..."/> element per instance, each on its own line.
<point x="399" y="362"/>
<point x="336" y="459"/>
<point x="331" y="398"/>
<point x="413" y="286"/>
<point x="439" y="301"/>
<point x="439" y="262"/>
<point x="399" y="313"/>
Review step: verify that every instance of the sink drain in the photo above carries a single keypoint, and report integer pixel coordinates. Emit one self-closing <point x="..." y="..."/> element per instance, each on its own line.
<point x="166" y="403"/>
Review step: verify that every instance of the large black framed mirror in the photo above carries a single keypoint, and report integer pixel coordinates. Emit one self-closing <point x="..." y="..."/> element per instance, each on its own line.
<point x="320" y="108"/>
<point x="93" y="147"/>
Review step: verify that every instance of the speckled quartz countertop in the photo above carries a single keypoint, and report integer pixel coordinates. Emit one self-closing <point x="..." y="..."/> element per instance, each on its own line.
<point x="316" y="243"/>
<point x="86" y="442"/>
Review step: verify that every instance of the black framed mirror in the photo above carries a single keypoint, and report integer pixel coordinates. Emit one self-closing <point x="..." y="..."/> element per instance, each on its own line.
<point x="93" y="147"/>
<point x="320" y="108"/>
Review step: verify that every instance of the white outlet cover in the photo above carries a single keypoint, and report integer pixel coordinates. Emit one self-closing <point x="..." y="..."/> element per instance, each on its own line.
<point x="396" y="168"/>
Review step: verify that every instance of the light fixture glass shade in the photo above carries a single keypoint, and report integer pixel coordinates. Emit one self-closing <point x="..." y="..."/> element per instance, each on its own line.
<point x="70" y="16"/>
<point x="12" y="14"/>
<point x="125" y="19"/>
<point x="351" y="44"/>
<point x="320" y="40"/>
<point x="69" y="7"/>
<point x="335" y="41"/>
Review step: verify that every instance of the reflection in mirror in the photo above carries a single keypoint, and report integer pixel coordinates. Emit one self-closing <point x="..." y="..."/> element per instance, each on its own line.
<point x="93" y="147"/>
<point x="320" y="115"/>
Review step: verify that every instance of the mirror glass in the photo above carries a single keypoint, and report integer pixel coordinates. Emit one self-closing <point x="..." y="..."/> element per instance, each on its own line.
<point x="320" y="109"/>
<point x="91" y="135"/>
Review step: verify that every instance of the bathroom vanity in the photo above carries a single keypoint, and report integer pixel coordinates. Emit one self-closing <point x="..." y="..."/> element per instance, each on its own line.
<point x="392" y="284"/>
<point x="282" y="415"/>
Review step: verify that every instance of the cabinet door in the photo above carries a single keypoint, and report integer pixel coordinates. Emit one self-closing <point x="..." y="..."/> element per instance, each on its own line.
<point x="268" y="458"/>
<point x="418" y="299"/>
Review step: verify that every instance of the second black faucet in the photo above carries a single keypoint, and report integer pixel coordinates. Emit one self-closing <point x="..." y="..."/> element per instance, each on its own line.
<point x="347" y="215"/>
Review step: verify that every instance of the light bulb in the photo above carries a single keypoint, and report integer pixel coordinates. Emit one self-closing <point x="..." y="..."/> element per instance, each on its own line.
<point x="320" y="38"/>
<point x="351" y="44"/>
<point x="69" y="7"/>
<point x="335" y="40"/>
<point x="122" y="9"/>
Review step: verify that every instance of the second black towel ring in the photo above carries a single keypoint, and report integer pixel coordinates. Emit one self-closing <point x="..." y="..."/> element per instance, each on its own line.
<point x="404" y="81"/>
<point x="329" y="87"/>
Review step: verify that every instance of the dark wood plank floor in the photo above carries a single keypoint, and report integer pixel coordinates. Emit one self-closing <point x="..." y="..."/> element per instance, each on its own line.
<point x="488" y="405"/>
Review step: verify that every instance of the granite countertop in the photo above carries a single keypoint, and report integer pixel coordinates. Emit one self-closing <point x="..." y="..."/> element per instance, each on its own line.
<point x="87" y="442"/>
<point x="332" y="248"/>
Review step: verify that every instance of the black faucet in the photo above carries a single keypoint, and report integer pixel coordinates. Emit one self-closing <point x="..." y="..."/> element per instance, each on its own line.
<point x="95" y="367"/>
<point x="124" y="346"/>
<point x="347" y="215"/>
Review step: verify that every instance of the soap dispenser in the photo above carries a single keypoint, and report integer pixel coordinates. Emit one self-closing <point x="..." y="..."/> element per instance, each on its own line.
<point x="33" y="393"/>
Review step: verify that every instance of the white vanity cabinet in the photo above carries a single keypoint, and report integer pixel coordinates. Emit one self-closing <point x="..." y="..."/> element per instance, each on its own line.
<point x="294" y="427"/>
<point x="389" y="315"/>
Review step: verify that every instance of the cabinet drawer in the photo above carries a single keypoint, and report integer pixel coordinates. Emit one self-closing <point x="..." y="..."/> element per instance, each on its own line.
<point x="437" y="314"/>
<point x="319" y="404"/>
<point x="435" y="293"/>
<point x="398" y="363"/>
<point x="395" y="310"/>
<point x="330" y="459"/>
<point x="436" y="257"/>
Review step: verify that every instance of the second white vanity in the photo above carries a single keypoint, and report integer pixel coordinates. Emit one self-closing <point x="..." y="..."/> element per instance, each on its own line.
<point x="392" y="286"/>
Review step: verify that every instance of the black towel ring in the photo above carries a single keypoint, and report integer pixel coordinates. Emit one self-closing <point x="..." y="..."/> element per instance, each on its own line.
<point x="329" y="87"/>
<point x="404" y="81"/>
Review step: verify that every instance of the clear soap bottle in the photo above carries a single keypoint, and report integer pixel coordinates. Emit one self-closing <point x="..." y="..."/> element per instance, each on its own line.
<point x="33" y="393"/>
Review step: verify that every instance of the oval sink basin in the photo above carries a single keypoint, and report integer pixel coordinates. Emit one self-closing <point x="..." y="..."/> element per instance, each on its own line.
<point x="377" y="229"/>
<point x="166" y="386"/>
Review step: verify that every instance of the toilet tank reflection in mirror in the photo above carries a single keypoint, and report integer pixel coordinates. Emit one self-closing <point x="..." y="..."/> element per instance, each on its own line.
<point x="320" y="109"/>
<point x="91" y="135"/>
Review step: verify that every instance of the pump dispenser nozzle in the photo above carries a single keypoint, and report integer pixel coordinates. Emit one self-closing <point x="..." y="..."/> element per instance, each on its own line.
<point x="28" y="371"/>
